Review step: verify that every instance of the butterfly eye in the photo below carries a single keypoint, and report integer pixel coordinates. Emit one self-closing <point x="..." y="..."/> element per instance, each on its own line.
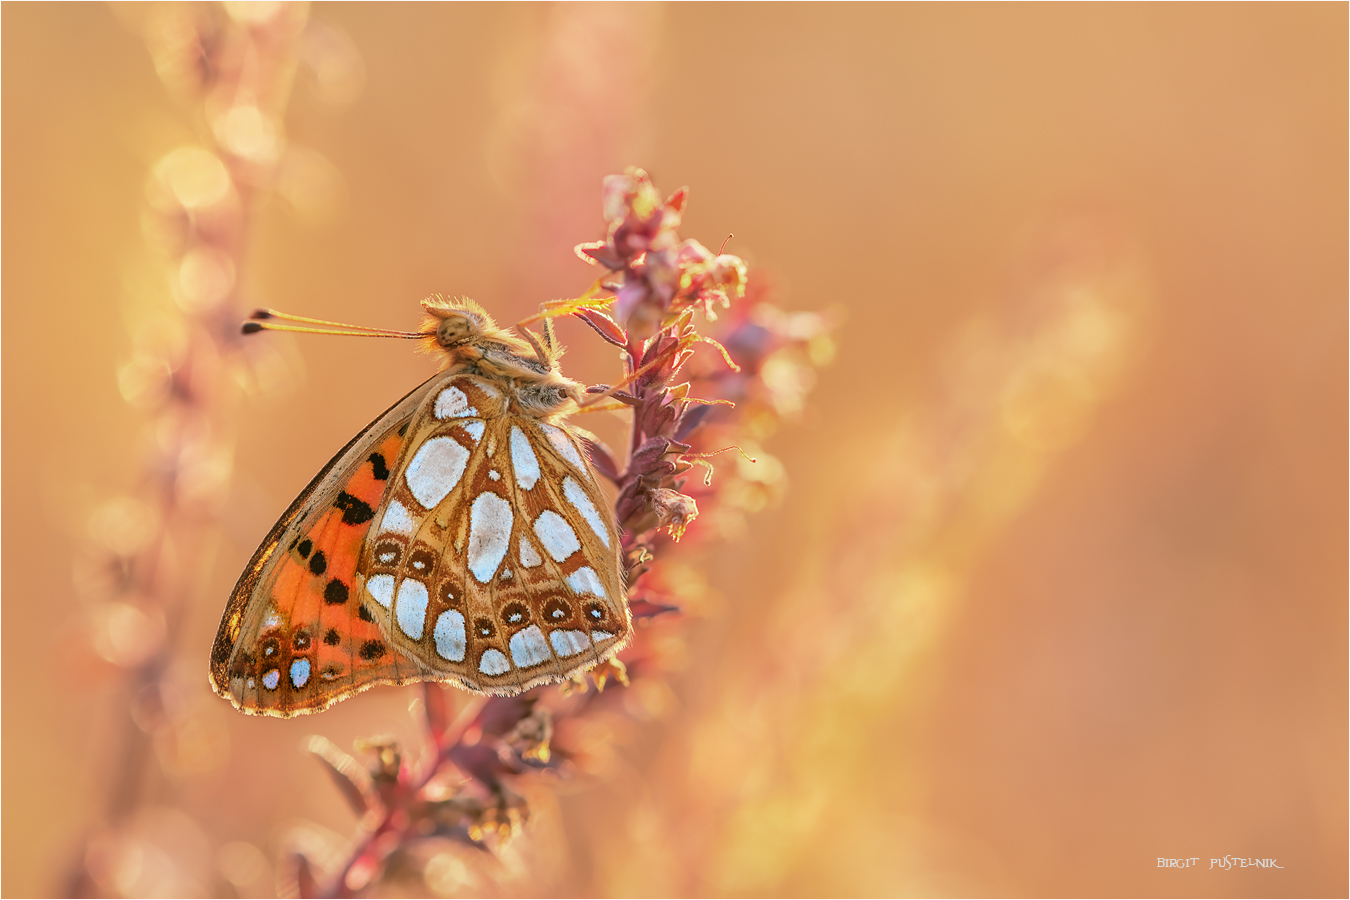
<point x="516" y="614"/>
<point x="557" y="610"/>
<point x="454" y="327"/>
<point x="484" y="628"/>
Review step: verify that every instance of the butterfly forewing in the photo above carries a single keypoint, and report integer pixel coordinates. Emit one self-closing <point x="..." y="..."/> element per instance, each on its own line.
<point x="494" y="561"/>
<point x="294" y="637"/>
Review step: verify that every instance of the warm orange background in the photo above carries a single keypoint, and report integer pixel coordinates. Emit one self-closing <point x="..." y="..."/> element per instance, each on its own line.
<point x="1139" y="651"/>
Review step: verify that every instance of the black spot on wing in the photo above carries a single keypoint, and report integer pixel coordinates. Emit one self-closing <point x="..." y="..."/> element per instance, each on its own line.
<point x="331" y="637"/>
<point x="318" y="563"/>
<point x="364" y="614"/>
<point x="354" y="510"/>
<point x="372" y="650"/>
<point x="304" y="547"/>
<point x="381" y="467"/>
<point x="335" y="592"/>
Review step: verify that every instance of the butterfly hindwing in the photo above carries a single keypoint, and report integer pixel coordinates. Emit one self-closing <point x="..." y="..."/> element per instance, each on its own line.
<point x="494" y="562"/>
<point x="577" y="589"/>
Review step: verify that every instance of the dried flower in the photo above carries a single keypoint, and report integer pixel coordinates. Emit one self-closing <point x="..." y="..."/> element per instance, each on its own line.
<point x="674" y="511"/>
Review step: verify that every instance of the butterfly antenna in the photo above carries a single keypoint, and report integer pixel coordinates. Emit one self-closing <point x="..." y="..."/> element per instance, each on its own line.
<point x="724" y="243"/>
<point x="260" y="320"/>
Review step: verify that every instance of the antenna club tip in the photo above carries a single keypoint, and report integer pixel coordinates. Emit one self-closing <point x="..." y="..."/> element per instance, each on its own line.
<point x="251" y="328"/>
<point x="261" y="314"/>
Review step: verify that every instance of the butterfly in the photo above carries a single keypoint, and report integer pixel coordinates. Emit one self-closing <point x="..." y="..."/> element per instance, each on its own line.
<point x="460" y="537"/>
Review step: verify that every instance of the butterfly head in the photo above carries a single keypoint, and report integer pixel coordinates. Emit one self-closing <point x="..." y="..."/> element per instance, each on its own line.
<point x="470" y="339"/>
<point x="453" y="323"/>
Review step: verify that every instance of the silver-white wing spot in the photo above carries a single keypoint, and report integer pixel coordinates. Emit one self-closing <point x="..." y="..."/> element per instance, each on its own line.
<point x="474" y="430"/>
<point x="449" y="634"/>
<point x="490" y="521"/>
<point x="411" y="607"/>
<point x="585" y="581"/>
<point x="569" y="643"/>
<point x="435" y="470"/>
<point x="397" y="519"/>
<point x="487" y="389"/>
<point x="558" y="438"/>
<point x="272" y="679"/>
<point x="601" y="635"/>
<point x="300" y="672"/>
<point x="528" y="647"/>
<point x="493" y="662"/>
<point x="556" y="535"/>
<point x="453" y="404"/>
<point x="577" y="497"/>
<point x="529" y="557"/>
<point x="381" y="587"/>
<point x="523" y="460"/>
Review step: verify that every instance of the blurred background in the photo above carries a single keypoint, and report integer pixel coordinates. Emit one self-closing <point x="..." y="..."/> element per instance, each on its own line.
<point x="1057" y="586"/>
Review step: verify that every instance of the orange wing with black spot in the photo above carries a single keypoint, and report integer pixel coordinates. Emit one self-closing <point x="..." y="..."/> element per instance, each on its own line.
<point x="295" y="637"/>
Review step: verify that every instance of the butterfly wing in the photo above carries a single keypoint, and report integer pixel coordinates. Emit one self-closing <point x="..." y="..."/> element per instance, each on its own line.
<point x="495" y="562"/>
<point x="294" y="637"/>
